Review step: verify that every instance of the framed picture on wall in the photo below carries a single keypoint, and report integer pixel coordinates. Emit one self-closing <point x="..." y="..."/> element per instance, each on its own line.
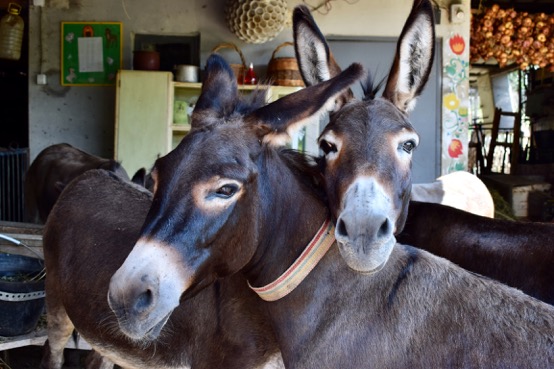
<point x="91" y="53"/>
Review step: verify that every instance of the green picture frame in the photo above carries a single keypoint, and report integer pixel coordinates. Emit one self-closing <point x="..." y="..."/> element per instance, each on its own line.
<point x="91" y="53"/>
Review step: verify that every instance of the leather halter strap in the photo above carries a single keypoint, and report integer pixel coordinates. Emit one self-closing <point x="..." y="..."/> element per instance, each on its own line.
<point x="302" y="266"/>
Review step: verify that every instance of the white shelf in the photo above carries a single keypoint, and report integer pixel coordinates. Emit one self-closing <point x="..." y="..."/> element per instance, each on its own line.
<point x="180" y="127"/>
<point x="37" y="338"/>
<point x="193" y="85"/>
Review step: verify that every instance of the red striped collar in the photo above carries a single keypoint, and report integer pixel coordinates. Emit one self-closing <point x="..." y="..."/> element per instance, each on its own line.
<point x="296" y="273"/>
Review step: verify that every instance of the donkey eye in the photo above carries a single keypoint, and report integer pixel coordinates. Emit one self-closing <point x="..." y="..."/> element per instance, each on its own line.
<point x="227" y="190"/>
<point x="408" y="146"/>
<point x="327" y="147"/>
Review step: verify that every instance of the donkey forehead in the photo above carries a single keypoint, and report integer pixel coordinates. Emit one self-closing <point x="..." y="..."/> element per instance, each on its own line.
<point x="369" y="118"/>
<point x="223" y="150"/>
<point x="368" y="135"/>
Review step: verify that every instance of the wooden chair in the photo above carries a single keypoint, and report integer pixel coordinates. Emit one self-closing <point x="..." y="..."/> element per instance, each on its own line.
<point x="511" y="140"/>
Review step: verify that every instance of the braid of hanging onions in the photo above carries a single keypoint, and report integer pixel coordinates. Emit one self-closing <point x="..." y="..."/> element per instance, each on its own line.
<point x="513" y="37"/>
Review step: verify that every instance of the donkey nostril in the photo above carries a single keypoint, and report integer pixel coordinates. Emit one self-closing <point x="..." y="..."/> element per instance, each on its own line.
<point x="144" y="301"/>
<point x="385" y="229"/>
<point x="341" y="228"/>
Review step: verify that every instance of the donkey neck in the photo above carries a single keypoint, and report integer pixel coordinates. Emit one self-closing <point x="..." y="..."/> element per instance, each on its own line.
<point x="293" y="211"/>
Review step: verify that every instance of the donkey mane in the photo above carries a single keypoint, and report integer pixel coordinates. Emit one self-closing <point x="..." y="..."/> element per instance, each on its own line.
<point x="370" y="88"/>
<point x="306" y="169"/>
<point x="255" y="100"/>
<point x="245" y="104"/>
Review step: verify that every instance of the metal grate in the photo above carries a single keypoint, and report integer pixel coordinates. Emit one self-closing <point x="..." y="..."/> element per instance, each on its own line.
<point x="13" y="166"/>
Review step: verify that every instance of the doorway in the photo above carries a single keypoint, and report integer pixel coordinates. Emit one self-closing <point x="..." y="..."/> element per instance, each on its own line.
<point x="14" y="127"/>
<point x="377" y="54"/>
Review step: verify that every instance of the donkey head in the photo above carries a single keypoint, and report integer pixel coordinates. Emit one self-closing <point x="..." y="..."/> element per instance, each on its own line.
<point x="213" y="197"/>
<point x="368" y="144"/>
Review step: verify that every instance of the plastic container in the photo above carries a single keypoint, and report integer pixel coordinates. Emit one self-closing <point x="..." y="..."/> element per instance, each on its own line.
<point x="11" y="33"/>
<point x="20" y="317"/>
<point x="250" y="77"/>
<point x="180" y="112"/>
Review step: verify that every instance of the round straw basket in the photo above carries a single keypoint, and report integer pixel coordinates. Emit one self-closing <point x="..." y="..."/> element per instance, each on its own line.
<point x="238" y="69"/>
<point x="284" y="71"/>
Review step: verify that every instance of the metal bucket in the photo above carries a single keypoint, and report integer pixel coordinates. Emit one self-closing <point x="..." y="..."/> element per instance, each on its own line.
<point x="186" y="73"/>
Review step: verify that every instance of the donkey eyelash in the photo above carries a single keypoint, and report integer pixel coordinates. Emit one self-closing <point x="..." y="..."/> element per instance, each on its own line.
<point x="327" y="147"/>
<point x="226" y="191"/>
<point x="408" y="146"/>
<point x="330" y="144"/>
<point x="407" y="141"/>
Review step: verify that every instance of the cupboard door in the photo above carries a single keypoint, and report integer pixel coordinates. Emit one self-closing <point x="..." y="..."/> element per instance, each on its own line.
<point x="143" y="103"/>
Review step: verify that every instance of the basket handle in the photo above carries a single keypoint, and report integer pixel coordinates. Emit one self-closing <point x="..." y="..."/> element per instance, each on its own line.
<point x="288" y="43"/>
<point x="19" y="243"/>
<point x="228" y="45"/>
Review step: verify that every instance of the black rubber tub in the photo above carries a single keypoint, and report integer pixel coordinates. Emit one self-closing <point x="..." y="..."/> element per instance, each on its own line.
<point x="21" y="297"/>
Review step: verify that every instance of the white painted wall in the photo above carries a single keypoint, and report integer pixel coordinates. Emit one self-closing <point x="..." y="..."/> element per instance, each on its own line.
<point x="84" y="116"/>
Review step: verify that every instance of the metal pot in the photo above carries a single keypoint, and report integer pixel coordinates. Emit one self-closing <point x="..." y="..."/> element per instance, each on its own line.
<point x="186" y="73"/>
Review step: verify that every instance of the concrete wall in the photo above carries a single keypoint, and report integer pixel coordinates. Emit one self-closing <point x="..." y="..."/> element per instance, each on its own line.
<point x="84" y="116"/>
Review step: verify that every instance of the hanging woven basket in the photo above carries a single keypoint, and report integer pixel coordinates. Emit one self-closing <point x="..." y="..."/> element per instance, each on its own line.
<point x="256" y="21"/>
<point x="238" y="69"/>
<point x="283" y="71"/>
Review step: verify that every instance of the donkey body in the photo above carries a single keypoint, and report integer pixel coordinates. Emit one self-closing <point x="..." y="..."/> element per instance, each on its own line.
<point x="520" y="254"/>
<point x="52" y="170"/>
<point x="225" y="202"/>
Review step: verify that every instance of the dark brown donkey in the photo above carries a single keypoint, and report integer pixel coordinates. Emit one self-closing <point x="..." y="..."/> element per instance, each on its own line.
<point x="518" y="254"/>
<point x="91" y="230"/>
<point x="52" y="170"/>
<point x="228" y="202"/>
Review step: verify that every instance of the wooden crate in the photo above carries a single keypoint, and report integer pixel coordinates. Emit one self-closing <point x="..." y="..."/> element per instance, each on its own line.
<point x="26" y="233"/>
<point x="516" y="189"/>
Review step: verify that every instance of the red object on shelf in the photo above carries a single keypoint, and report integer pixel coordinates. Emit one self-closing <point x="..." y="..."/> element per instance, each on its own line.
<point x="146" y="60"/>
<point x="250" y="77"/>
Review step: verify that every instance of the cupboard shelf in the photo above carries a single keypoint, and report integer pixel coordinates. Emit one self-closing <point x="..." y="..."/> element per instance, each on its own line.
<point x="180" y="127"/>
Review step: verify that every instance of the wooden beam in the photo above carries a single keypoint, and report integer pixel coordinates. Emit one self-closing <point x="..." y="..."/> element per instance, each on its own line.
<point x="515" y="144"/>
<point x="494" y="137"/>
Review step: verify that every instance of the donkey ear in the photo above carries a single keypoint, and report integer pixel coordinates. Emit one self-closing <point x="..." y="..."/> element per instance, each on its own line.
<point x="219" y="93"/>
<point x="275" y="122"/>
<point x="312" y="51"/>
<point x="414" y="57"/>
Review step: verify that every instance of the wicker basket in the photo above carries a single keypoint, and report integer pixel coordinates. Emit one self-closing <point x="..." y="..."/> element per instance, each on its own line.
<point x="238" y="69"/>
<point x="284" y="71"/>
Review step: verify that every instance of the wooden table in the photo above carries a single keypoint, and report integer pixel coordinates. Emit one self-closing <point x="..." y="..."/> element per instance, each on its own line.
<point x="29" y="234"/>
